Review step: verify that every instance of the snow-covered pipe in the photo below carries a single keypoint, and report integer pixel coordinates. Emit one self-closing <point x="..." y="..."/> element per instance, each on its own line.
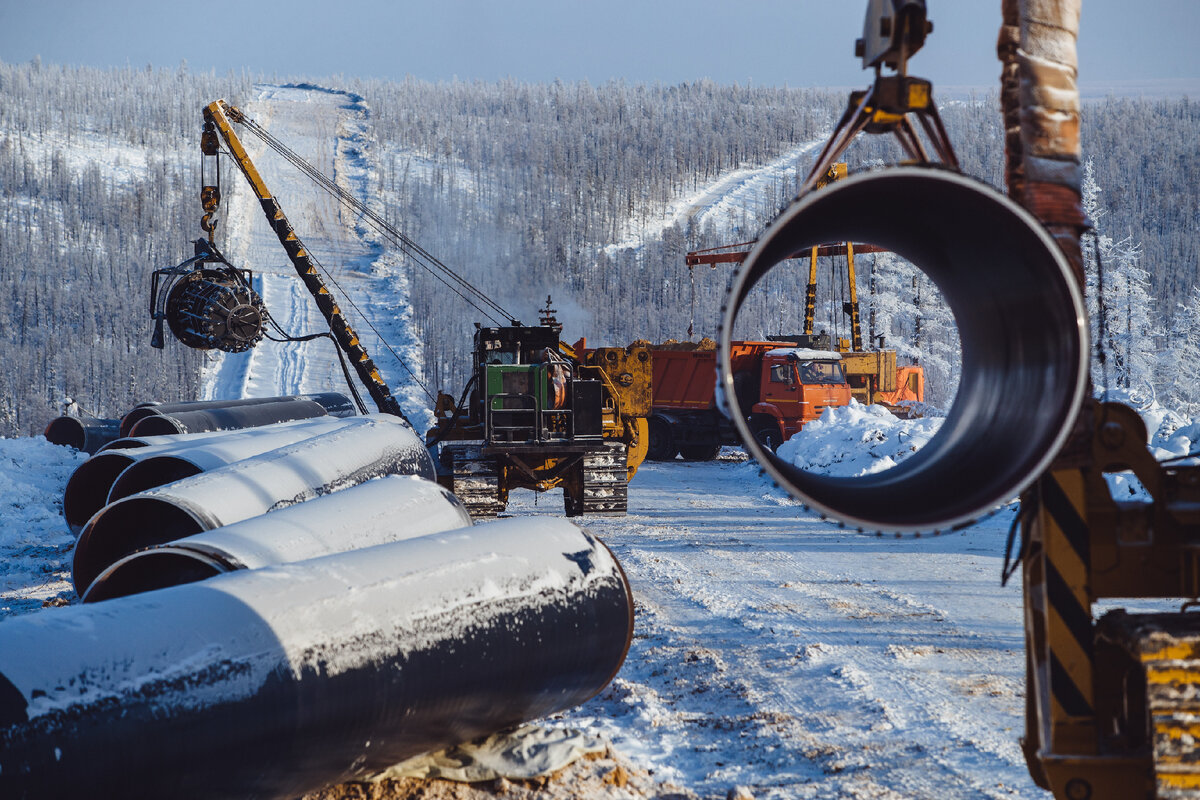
<point x="130" y="442"/>
<point x="226" y="419"/>
<point x="88" y="488"/>
<point x="1021" y="322"/>
<point x="87" y="436"/>
<point x="364" y="448"/>
<point x="383" y="510"/>
<point x="279" y="681"/>
<point x="335" y="404"/>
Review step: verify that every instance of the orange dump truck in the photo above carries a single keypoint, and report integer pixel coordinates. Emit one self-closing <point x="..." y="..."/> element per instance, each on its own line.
<point x="779" y="388"/>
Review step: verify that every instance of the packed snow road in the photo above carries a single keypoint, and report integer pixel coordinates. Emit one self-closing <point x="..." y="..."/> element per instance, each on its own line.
<point x="782" y="653"/>
<point x="331" y="131"/>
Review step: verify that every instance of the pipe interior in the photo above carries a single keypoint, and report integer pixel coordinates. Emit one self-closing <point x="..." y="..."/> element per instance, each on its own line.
<point x="123" y="527"/>
<point x="145" y="572"/>
<point x="87" y="489"/>
<point x="150" y="473"/>
<point x="156" y="425"/>
<point x="66" y="431"/>
<point x="1021" y="323"/>
<point x="137" y="415"/>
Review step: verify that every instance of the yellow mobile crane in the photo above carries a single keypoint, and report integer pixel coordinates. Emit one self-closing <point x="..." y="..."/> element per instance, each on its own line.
<point x="541" y="416"/>
<point x="1112" y="704"/>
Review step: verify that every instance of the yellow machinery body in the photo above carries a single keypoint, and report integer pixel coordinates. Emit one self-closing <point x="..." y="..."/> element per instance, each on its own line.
<point x="544" y="415"/>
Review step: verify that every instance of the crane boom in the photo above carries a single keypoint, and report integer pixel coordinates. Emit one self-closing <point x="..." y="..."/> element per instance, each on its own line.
<point x="217" y="117"/>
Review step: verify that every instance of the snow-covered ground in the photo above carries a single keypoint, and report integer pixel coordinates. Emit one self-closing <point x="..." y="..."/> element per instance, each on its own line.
<point x="772" y="650"/>
<point x="721" y="202"/>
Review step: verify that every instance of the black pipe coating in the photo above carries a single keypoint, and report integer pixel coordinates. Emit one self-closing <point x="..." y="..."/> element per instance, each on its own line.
<point x="226" y="419"/>
<point x="85" y="435"/>
<point x="276" y="682"/>
<point x="335" y="404"/>
<point x="367" y="447"/>
<point x="1021" y="321"/>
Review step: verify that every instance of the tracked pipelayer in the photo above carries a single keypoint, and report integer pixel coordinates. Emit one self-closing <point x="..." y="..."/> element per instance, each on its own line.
<point x="1112" y="710"/>
<point x="541" y="415"/>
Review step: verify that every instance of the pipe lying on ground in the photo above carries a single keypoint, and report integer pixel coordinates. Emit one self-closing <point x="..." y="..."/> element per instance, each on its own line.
<point x="87" y="436"/>
<point x="1021" y="320"/>
<point x="273" y="683"/>
<point x="226" y="419"/>
<point x="336" y="404"/>
<point x="88" y="487"/>
<point x="383" y="510"/>
<point x="363" y="448"/>
<point x="130" y="442"/>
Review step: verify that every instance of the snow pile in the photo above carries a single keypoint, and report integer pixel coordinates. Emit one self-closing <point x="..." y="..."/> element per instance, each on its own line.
<point x="855" y="440"/>
<point x="35" y="543"/>
<point x="1170" y="437"/>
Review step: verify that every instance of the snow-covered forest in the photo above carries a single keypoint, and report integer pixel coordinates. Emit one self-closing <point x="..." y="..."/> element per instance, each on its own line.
<point x="591" y="194"/>
<point x="99" y="175"/>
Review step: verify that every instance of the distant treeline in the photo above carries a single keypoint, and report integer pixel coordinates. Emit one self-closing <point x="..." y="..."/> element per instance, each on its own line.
<point x="526" y="189"/>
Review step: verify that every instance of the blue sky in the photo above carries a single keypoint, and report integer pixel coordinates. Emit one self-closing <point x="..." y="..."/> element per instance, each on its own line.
<point x="764" y="42"/>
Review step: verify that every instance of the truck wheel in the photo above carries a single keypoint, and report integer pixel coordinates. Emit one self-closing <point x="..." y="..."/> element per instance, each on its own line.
<point x="476" y="481"/>
<point x="766" y="433"/>
<point x="699" y="452"/>
<point x="662" y="441"/>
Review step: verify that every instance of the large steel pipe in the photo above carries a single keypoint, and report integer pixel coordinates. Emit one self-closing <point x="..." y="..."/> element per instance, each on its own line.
<point x="336" y="404"/>
<point x="226" y="419"/>
<point x="1021" y="322"/>
<point x="89" y="486"/>
<point x="129" y="442"/>
<point x="387" y="509"/>
<point x="275" y="682"/>
<point x="85" y="435"/>
<point x="364" y="448"/>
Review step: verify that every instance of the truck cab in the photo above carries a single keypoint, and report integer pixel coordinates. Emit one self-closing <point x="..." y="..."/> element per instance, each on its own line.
<point x="796" y="384"/>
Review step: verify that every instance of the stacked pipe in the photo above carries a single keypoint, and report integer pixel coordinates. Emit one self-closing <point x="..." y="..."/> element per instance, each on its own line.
<point x="175" y="457"/>
<point x="278" y="681"/>
<point x="90" y="436"/>
<point x="212" y="415"/>
<point x="288" y="607"/>
<point x="387" y="509"/>
<point x="360" y="449"/>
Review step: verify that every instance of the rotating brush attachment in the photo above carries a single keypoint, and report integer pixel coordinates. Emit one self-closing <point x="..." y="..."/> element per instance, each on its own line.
<point x="215" y="309"/>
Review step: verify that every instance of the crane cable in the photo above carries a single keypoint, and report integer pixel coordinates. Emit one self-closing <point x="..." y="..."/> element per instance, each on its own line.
<point x="423" y="257"/>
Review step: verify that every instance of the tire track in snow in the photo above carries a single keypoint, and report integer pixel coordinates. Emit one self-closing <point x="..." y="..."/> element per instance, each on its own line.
<point x="718" y="201"/>
<point x="330" y="130"/>
<point x="778" y="652"/>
